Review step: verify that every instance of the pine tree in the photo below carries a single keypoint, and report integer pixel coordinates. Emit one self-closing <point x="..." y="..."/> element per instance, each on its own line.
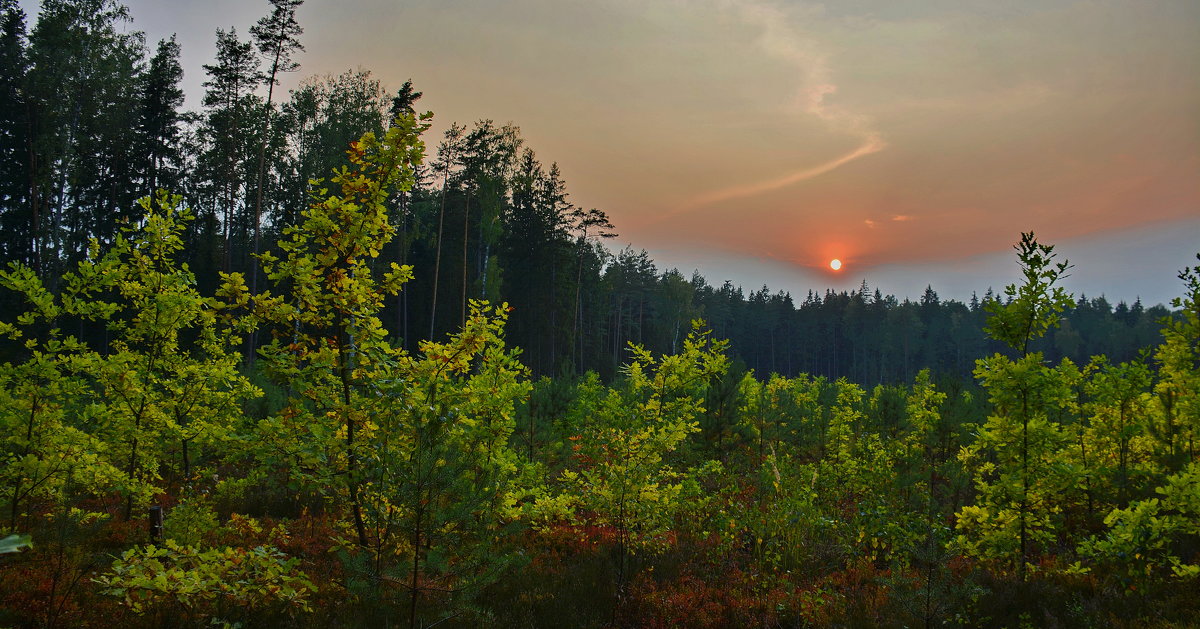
<point x="404" y="103"/>
<point x="228" y="134"/>
<point x="448" y="152"/>
<point x="590" y="226"/>
<point x="277" y="38"/>
<point x="405" y="100"/>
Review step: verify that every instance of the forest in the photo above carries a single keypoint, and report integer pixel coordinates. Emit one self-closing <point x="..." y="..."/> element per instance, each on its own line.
<point x="277" y="362"/>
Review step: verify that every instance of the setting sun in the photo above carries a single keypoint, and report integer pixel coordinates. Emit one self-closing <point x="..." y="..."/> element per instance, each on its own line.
<point x="835" y="264"/>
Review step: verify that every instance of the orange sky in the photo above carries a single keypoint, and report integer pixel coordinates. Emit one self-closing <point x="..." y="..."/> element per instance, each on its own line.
<point x="750" y="137"/>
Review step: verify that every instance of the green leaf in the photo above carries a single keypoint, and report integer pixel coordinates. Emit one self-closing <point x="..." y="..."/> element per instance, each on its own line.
<point x="14" y="543"/>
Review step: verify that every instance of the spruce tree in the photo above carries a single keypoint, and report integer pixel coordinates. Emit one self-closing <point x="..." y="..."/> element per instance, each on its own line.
<point x="17" y="212"/>
<point x="159" y="119"/>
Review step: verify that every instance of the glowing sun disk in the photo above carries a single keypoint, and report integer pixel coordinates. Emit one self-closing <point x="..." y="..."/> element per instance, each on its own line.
<point x="835" y="264"/>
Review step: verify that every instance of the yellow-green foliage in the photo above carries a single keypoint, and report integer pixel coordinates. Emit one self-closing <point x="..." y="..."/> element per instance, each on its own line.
<point x="1143" y="539"/>
<point x="212" y="583"/>
<point x="411" y="449"/>
<point x="439" y="476"/>
<point x="1178" y="387"/>
<point x="625" y="479"/>
<point x="107" y="417"/>
<point x="1012" y="460"/>
<point x="328" y="344"/>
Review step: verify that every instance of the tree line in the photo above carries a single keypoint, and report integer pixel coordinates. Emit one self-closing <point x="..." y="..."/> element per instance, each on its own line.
<point x="93" y="119"/>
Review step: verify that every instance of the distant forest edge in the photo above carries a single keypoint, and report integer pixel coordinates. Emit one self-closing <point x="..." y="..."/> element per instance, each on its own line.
<point x="92" y="119"/>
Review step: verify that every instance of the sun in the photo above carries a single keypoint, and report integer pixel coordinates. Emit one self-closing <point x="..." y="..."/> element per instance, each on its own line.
<point x="835" y="264"/>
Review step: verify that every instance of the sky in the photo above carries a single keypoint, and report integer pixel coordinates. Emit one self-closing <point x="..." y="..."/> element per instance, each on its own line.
<point x="755" y="140"/>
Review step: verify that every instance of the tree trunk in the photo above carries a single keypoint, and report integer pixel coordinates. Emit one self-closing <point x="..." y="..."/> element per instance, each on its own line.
<point x="437" y="258"/>
<point x="466" y="238"/>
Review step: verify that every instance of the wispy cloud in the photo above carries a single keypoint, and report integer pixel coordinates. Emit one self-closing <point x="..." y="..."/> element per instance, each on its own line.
<point x="751" y="189"/>
<point x="900" y="218"/>
<point x="778" y="39"/>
